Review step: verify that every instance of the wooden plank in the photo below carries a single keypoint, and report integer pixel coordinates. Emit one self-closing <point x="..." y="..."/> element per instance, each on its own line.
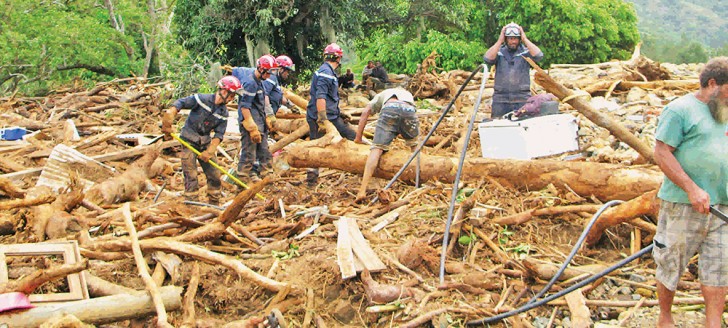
<point x="344" y="254"/>
<point x="362" y="250"/>
<point x="115" y="156"/>
<point x="580" y="316"/>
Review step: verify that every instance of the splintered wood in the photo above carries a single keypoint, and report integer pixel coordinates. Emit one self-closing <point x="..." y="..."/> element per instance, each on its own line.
<point x="351" y="247"/>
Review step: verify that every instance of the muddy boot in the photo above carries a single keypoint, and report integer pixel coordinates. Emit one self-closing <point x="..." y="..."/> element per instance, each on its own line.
<point x="312" y="178"/>
<point x="213" y="196"/>
<point x="191" y="196"/>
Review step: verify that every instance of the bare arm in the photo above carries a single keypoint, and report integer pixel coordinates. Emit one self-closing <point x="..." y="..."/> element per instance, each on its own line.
<point x="669" y="165"/>
<point x="362" y="123"/>
<point x="492" y="52"/>
<point x="532" y="48"/>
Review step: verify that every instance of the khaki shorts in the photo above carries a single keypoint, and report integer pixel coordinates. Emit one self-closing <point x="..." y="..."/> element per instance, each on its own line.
<point x="681" y="233"/>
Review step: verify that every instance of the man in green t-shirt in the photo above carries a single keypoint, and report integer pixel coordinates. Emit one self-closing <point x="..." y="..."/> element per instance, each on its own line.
<point x="692" y="150"/>
<point x="397" y="116"/>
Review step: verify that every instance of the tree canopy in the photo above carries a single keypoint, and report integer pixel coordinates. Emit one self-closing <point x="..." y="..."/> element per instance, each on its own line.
<point x="51" y="42"/>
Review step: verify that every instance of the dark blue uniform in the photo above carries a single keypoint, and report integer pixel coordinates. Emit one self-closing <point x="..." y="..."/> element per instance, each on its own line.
<point x="275" y="93"/>
<point x="325" y="85"/>
<point x="252" y="98"/>
<point x="512" y="80"/>
<point x="205" y="117"/>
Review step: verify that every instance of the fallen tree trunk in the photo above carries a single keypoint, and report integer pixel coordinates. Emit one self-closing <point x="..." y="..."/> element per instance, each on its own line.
<point x="101" y="310"/>
<point x="646" y="204"/>
<point x="127" y="185"/>
<point x="605" y="181"/>
<point x="616" y="129"/>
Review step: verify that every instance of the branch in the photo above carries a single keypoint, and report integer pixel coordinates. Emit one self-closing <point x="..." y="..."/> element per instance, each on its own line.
<point x="96" y="69"/>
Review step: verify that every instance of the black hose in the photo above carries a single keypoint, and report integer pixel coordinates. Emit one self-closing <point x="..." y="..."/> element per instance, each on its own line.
<point x="453" y="197"/>
<point x="575" y="248"/>
<point x="432" y="130"/>
<point x="572" y="288"/>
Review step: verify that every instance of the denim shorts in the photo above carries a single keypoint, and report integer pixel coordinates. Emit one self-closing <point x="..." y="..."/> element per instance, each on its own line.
<point x="396" y="118"/>
<point x="681" y="233"/>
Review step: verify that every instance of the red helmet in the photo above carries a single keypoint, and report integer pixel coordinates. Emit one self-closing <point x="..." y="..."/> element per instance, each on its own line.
<point x="266" y="62"/>
<point x="333" y="49"/>
<point x="285" y="62"/>
<point x="229" y="83"/>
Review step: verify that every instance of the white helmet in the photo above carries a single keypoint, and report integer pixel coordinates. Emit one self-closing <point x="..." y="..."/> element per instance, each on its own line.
<point x="512" y="29"/>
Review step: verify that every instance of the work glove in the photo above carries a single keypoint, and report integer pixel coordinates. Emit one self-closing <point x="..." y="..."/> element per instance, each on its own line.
<point x="205" y="156"/>
<point x="252" y="128"/>
<point x="227" y="68"/>
<point x="167" y="119"/>
<point x="269" y="120"/>
<point x="321" y="117"/>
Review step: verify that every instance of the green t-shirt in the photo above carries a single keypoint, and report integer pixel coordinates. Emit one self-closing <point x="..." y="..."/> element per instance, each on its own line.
<point x="701" y="148"/>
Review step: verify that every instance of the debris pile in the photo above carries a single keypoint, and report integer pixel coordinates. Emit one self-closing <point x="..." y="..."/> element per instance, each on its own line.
<point x="92" y="177"/>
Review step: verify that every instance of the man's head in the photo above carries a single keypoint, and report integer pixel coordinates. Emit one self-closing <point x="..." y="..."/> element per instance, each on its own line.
<point x="333" y="53"/>
<point x="379" y="64"/>
<point x="370" y="64"/>
<point x="513" y="36"/>
<point x="227" y="88"/>
<point x="286" y="66"/>
<point x="263" y="66"/>
<point x="714" y="84"/>
<point x="348" y="71"/>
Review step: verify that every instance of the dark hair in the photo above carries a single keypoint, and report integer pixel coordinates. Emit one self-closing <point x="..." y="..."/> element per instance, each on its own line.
<point x="717" y="69"/>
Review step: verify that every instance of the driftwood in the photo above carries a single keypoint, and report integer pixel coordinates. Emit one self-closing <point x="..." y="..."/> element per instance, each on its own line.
<point x="144" y="269"/>
<point x="299" y="133"/>
<point x="605" y="181"/>
<point x="96" y="311"/>
<point x="9" y="189"/>
<point x="115" y="156"/>
<point x="619" y="131"/>
<point x="29" y="283"/>
<point x="25" y="202"/>
<point x="580" y="316"/>
<point x="98" y="287"/>
<point x="189" y="298"/>
<point x="646" y="204"/>
<point x="200" y="253"/>
<point x="556" y="210"/>
<point x="546" y="271"/>
<point x="127" y="185"/>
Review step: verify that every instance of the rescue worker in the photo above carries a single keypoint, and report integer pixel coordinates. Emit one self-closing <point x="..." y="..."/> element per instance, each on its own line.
<point x="252" y="116"/>
<point x="273" y="89"/>
<point x="324" y="102"/>
<point x="397" y="116"/>
<point x="512" y="80"/>
<point x="208" y="113"/>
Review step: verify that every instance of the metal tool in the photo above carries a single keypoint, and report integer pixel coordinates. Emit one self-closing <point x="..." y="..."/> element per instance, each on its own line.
<point x="215" y="165"/>
<point x="417" y="172"/>
<point x="715" y="211"/>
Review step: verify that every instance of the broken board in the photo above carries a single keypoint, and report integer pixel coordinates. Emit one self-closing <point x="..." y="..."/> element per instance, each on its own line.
<point x="353" y="251"/>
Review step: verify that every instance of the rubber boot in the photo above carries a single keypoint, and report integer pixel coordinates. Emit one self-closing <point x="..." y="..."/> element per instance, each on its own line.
<point x="213" y="196"/>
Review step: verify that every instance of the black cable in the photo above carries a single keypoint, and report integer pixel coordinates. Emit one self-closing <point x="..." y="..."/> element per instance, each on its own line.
<point x="432" y="130"/>
<point x="575" y="248"/>
<point x="572" y="288"/>
<point x="459" y="172"/>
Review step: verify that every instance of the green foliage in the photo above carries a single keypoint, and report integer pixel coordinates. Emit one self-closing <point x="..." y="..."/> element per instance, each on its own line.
<point x="39" y="39"/>
<point x="673" y="29"/>
<point x="401" y="56"/>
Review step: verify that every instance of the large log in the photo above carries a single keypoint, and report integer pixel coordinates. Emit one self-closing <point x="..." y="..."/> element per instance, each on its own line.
<point x="605" y="181"/>
<point x="96" y="311"/>
<point x="581" y="105"/>
<point x="646" y="204"/>
<point x="127" y="185"/>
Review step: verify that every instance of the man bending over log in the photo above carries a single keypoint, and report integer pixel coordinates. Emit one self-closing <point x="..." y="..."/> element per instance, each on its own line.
<point x="397" y="115"/>
<point x="692" y="150"/>
<point x="208" y="113"/>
